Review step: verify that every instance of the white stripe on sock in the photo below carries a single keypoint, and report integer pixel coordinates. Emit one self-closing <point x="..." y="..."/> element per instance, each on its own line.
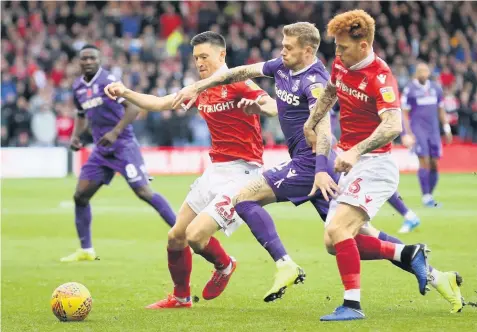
<point x="352" y="295"/>
<point x="397" y="252"/>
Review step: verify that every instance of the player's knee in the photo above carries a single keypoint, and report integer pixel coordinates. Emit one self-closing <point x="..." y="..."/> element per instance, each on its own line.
<point x="176" y="239"/>
<point x="332" y="231"/>
<point x="144" y="193"/>
<point x="240" y="197"/>
<point x="433" y="165"/>
<point x="424" y="163"/>
<point x="329" y="244"/>
<point x="81" y="198"/>
<point x="195" y="238"/>
<point x="338" y="231"/>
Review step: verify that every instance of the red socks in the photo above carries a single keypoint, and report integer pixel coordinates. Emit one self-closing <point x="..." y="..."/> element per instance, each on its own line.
<point x="371" y="248"/>
<point x="215" y="253"/>
<point x="180" y="267"/>
<point x="347" y="257"/>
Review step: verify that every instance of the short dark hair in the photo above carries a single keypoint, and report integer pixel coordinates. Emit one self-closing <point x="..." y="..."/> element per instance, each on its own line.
<point x="211" y="37"/>
<point x="89" y="46"/>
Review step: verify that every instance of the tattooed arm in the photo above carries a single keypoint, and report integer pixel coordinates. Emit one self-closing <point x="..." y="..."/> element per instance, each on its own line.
<point x="324" y="103"/>
<point x="323" y="136"/>
<point x="233" y="75"/>
<point x="389" y="128"/>
<point x="237" y="74"/>
<point x="323" y="181"/>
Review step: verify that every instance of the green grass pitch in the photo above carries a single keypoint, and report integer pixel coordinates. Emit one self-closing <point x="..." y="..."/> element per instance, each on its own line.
<point x="38" y="229"/>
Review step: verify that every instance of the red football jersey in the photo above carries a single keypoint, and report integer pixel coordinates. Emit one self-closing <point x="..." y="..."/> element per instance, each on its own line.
<point x="235" y="135"/>
<point x="364" y="91"/>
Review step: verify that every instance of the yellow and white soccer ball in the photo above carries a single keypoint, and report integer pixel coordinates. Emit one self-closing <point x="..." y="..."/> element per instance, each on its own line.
<point x="71" y="302"/>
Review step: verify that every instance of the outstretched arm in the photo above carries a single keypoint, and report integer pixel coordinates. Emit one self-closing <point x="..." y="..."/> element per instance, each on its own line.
<point x="147" y="102"/>
<point x="233" y="75"/>
<point x="265" y="105"/>
<point x="237" y="74"/>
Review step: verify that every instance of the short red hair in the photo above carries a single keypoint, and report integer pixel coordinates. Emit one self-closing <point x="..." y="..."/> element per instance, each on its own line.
<point x="357" y="23"/>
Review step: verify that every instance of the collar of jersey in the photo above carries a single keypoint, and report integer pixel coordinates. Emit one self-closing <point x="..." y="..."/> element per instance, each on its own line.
<point x="425" y="85"/>
<point x="364" y="63"/>
<point x="304" y="69"/>
<point x="94" y="77"/>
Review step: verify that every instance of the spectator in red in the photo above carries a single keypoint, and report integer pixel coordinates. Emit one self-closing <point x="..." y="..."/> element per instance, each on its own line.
<point x="169" y="21"/>
<point x="446" y="77"/>
<point x="57" y="73"/>
<point x="64" y="125"/>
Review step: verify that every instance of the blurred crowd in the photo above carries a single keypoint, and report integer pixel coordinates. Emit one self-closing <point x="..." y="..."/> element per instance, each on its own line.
<point x="146" y="44"/>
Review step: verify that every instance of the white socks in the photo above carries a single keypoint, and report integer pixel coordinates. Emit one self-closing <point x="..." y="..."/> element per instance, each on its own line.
<point x="410" y="215"/>
<point x="89" y="250"/>
<point x="283" y="261"/>
<point x="434" y="279"/>
<point x="427" y="198"/>
<point x="352" y="295"/>
<point x="397" y="252"/>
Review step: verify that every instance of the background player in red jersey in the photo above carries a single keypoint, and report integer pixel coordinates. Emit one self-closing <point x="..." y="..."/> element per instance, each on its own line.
<point x="236" y="155"/>
<point x="370" y="119"/>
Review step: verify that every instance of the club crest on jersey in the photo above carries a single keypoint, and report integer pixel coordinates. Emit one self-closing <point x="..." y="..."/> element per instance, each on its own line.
<point x="89" y="93"/>
<point x="223" y="94"/>
<point x="363" y="84"/>
<point x="388" y="94"/>
<point x="381" y="78"/>
<point x="316" y="90"/>
<point x="95" y="88"/>
<point x="296" y="86"/>
<point x="311" y="78"/>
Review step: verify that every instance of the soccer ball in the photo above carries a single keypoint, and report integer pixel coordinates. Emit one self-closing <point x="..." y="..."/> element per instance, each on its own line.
<point x="71" y="302"/>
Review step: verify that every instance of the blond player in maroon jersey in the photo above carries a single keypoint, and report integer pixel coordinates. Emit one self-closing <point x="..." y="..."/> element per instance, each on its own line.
<point x="370" y="119"/>
<point x="232" y="115"/>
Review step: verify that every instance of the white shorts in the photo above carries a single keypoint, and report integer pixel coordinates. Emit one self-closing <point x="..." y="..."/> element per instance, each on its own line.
<point x="369" y="184"/>
<point x="214" y="190"/>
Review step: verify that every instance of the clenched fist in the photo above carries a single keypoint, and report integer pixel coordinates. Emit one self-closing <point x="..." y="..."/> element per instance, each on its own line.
<point x="115" y="90"/>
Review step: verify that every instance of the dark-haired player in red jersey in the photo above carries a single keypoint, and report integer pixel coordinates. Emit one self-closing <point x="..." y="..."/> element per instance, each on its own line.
<point x="232" y="115"/>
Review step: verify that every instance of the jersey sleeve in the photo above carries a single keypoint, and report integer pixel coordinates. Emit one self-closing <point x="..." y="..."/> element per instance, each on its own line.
<point x="386" y="92"/>
<point x="249" y="90"/>
<point x="405" y="99"/>
<point x="79" y="110"/>
<point x="440" y="95"/>
<point x="271" y="66"/>
<point x="313" y="92"/>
